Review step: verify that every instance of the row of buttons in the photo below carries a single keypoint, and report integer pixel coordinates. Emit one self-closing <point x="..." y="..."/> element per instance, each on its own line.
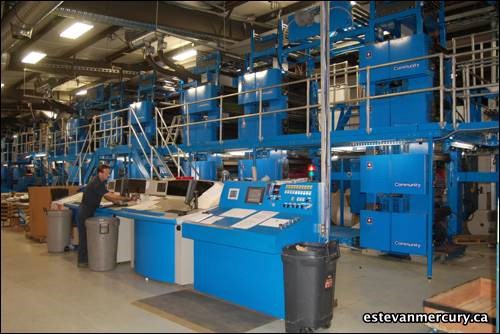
<point x="294" y="186"/>
<point x="298" y="192"/>
<point x="297" y="205"/>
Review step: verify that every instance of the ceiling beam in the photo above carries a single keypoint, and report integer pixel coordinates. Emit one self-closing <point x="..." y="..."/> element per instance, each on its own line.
<point x="73" y="70"/>
<point x="171" y="17"/>
<point x="85" y="44"/>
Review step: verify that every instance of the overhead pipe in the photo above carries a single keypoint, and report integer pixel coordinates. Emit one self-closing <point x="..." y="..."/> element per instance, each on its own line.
<point x="162" y="70"/>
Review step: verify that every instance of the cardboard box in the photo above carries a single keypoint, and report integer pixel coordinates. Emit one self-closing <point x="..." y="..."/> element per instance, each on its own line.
<point x="41" y="199"/>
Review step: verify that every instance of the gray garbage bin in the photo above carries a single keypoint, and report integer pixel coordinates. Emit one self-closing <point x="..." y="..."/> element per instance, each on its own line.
<point x="102" y="242"/>
<point x="58" y="230"/>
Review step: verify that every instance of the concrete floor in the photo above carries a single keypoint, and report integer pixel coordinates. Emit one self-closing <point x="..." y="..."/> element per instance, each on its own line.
<point x="44" y="292"/>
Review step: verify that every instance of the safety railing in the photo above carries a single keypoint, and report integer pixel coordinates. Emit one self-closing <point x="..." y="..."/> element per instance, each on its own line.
<point x="363" y="93"/>
<point x="77" y="165"/>
<point x="153" y="152"/>
<point x="474" y="73"/>
<point x="169" y="141"/>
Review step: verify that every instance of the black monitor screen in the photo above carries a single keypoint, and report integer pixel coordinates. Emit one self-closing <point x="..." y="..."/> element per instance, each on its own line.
<point x="136" y="186"/>
<point x="177" y="187"/>
<point x="119" y="185"/>
<point x="161" y="187"/>
<point x="255" y="195"/>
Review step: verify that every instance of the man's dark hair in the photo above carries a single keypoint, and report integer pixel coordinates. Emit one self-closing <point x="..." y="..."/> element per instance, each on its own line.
<point x="101" y="168"/>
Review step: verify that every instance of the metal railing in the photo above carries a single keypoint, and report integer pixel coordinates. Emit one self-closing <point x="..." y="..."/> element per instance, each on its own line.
<point x="364" y="94"/>
<point x="473" y="72"/>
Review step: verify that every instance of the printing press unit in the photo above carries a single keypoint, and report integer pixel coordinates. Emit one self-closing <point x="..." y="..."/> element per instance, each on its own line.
<point x="411" y="140"/>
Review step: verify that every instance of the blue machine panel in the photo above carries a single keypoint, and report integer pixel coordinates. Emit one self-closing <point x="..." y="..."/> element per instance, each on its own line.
<point x="402" y="110"/>
<point x="408" y="174"/>
<point x="375" y="174"/>
<point x="408" y="233"/>
<point x="143" y="111"/>
<point x="244" y="265"/>
<point x="394" y="232"/>
<point x="375" y="230"/>
<point x="272" y="99"/>
<point x="394" y="174"/>
<point x="394" y="50"/>
<point x="154" y="249"/>
<point x="201" y="93"/>
<point x="251" y="81"/>
<point x="206" y="110"/>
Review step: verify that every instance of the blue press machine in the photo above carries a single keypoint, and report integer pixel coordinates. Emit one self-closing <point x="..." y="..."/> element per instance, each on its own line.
<point x="244" y="266"/>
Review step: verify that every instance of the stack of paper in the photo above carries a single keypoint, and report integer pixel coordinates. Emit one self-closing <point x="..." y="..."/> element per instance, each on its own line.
<point x="275" y="222"/>
<point x="194" y="217"/>
<point x="238" y="213"/>
<point x="255" y="219"/>
<point x="211" y="220"/>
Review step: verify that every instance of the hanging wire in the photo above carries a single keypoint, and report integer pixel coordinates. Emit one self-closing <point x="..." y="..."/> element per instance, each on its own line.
<point x="224" y="22"/>
<point x="156" y="21"/>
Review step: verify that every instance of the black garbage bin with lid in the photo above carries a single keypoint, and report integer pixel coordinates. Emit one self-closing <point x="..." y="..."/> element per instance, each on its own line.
<point x="309" y="273"/>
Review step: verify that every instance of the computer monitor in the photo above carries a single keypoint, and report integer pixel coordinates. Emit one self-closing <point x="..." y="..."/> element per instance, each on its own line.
<point x="111" y="185"/>
<point x="119" y="186"/>
<point x="255" y="195"/>
<point x="161" y="187"/>
<point x="177" y="187"/>
<point x="137" y="186"/>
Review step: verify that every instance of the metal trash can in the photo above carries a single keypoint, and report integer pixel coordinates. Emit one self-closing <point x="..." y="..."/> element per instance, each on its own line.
<point x="58" y="230"/>
<point x="309" y="273"/>
<point x="102" y="242"/>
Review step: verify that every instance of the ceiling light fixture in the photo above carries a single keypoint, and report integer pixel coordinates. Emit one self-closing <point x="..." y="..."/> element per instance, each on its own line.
<point x="459" y="144"/>
<point x="185" y="55"/>
<point x="34" y="57"/>
<point x="76" y="30"/>
<point x="82" y="92"/>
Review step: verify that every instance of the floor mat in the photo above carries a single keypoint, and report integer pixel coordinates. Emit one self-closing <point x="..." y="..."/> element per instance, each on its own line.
<point x="203" y="313"/>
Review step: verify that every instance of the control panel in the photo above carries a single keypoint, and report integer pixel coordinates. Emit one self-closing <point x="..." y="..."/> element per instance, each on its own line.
<point x="297" y="196"/>
<point x="294" y="198"/>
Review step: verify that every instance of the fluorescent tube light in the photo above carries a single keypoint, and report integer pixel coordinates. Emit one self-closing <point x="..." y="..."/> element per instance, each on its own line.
<point x="459" y="144"/>
<point x="76" y="30"/>
<point x="185" y="55"/>
<point x="33" y="57"/>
